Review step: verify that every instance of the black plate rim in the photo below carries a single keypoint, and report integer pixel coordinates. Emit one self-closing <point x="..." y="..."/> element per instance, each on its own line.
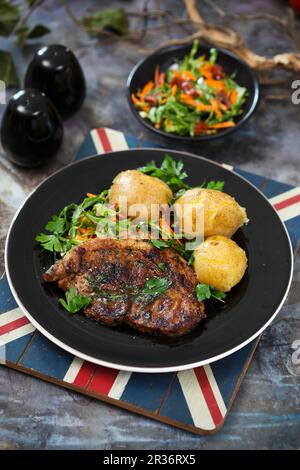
<point x="125" y="367"/>
<point x="190" y="139"/>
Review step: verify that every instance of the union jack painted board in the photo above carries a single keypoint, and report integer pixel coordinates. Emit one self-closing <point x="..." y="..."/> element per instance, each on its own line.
<point x="197" y="399"/>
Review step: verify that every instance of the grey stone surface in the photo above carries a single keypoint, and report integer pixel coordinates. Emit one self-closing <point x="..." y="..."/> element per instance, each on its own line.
<point x="266" y="413"/>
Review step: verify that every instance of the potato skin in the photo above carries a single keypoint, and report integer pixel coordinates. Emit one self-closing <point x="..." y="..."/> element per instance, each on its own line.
<point x="220" y="262"/>
<point x="222" y="214"/>
<point x="139" y="189"/>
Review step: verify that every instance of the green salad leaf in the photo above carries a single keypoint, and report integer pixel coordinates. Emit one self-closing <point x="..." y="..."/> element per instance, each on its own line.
<point x="74" y="301"/>
<point x="170" y="171"/>
<point x="204" y="292"/>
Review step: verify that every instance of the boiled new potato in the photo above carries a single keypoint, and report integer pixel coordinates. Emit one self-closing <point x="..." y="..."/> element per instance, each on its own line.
<point x="139" y="188"/>
<point x="220" y="262"/>
<point x="222" y="214"/>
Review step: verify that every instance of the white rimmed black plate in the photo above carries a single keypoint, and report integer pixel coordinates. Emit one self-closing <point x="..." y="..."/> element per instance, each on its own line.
<point x="250" y="307"/>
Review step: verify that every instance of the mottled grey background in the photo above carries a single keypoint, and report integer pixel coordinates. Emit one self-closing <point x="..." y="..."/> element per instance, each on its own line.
<point x="266" y="413"/>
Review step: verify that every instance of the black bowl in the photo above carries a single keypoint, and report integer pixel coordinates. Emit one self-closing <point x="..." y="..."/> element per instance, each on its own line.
<point x="144" y="71"/>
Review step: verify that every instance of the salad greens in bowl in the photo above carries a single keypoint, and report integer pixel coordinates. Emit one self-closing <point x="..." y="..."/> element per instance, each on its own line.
<point x="192" y="92"/>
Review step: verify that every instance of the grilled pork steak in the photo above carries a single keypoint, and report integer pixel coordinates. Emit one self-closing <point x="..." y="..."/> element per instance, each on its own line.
<point x="115" y="272"/>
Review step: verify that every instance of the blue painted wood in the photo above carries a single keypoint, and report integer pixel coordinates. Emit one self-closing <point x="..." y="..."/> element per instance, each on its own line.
<point x="45" y="357"/>
<point x="257" y="180"/>
<point x="11" y="351"/>
<point x="7" y="301"/>
<point x="132" y="141"/>
<point x="272" y="188"/>
<point x="175" y="406"/>
<point x="293" y="227"/>
<point x="227" y="371"/>
<point x="86" y="149"/>
<point x="147" y="390"/>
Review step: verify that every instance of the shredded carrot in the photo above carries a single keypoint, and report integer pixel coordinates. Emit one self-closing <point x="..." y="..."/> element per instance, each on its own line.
<point x="200" y="106"/>
<point x="222" y="125"/>
<point x="233" y="96"/>
<point x="147" y="88"/>
<point x="205" y="71"/>
<point x="157" y="125"/>
<point x="167" y="229"/>
<point x="135" y="100"/>
<point x="174" y="90"/>
<point x="156" y="75"/>
<point x="84" y="230"/>
<point x="80" y="237"/>
<point x="91" y="195"/>
<point x="162" y="79"/>
<point x="219" y="84"/>
<point x="216" y="107"/>
<point x="187" y="75"/>
<point x="222" y="106"/>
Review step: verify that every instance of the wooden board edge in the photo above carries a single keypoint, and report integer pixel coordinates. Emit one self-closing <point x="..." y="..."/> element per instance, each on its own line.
<point x="108" y="400"/>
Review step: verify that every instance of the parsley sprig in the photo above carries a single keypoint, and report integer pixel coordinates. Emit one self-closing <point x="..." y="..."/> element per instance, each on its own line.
<point x="74" y="301"/>
<point x="205" y="292"/>
<point x="63" y="227"/>
<point x="153" y="288"/>
<point x="170" y="171"/>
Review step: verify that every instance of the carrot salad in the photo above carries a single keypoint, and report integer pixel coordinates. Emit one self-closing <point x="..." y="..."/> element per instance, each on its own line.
<point x="193" y="97"/>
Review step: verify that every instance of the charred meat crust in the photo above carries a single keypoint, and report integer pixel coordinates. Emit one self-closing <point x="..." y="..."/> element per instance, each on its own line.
<point x="113" y="272"/>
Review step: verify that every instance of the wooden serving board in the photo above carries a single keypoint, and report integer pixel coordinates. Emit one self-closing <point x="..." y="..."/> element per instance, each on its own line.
<point x="198" y="399"/>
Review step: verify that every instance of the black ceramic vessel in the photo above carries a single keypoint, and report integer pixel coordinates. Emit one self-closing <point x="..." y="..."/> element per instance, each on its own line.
<point x="144" y="71"/>
<point x="31" y="129"/>
<point x="56" y="71"/>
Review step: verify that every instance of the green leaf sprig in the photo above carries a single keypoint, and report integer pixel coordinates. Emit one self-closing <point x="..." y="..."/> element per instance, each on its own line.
<point x="74" y="301"/>
<point x="170" y="171"/>
<point x="205" y="292"/>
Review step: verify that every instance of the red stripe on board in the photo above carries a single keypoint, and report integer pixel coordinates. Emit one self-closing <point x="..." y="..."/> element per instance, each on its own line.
<point x="104" y="140"/>
<point x="209" y="395"/>
<point x="84" y="374"/>
<point x="13" y="325"/>
<point x="287" y="202"/>
<point x="103" y="380"/>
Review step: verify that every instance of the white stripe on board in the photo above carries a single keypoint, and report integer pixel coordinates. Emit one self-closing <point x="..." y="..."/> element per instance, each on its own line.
<point x="97" y="141"/>
<point x="16" y="334"/>
<point x="289" y="212"/>
<point x="215" y="389"/>
<point x="119" y="384"/>
<point x="73" y="370"/>
<point x="195" y="400"/>
<point x="116" y="139"/>
<point x="10" y="316"/>
<point x="286" y="195"/>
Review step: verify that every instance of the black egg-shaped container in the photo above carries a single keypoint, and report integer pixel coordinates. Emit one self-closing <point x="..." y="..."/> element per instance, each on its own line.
<point x="31" y="129"/>
<point x="56" y="71"/>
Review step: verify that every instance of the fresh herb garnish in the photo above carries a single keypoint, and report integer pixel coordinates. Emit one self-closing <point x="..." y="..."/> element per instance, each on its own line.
<point x="74" y="301"/>
<point x="217" y="185"/>
<point x="204" y="291"/>
<point x="54" y="243"/>
<point x="154" y="287"/>
<point x="162" y="266"/>
<point x="66" y="227"/>
<point x="170" y="171"/>
<point x="160" y="243"/>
